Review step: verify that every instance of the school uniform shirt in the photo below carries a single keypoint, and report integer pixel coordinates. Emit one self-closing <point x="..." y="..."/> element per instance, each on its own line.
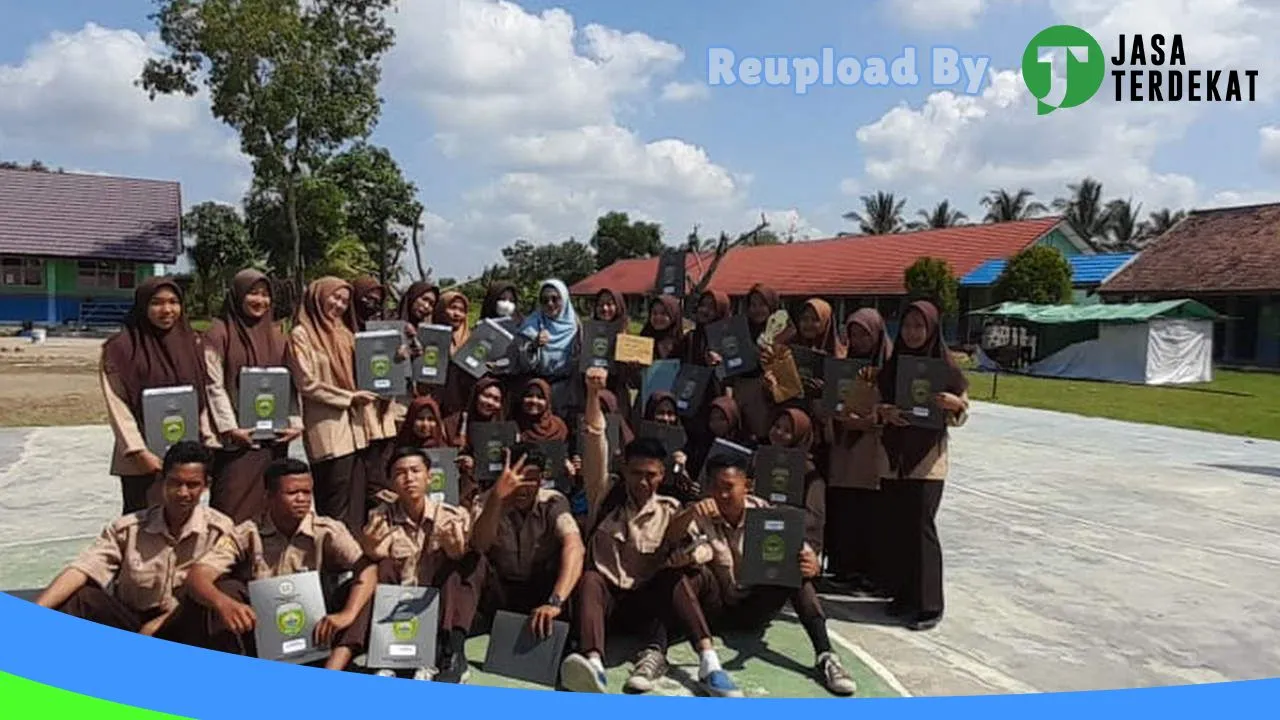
<point x="147" y="564"/>
<point x="129" y="439"/>
<point x="529" y="542"/>
<point x="223" y="417"/>
<point x="333" y="430"/>
<point x="320" y="544"/>
<point x="855" y="458"/>
<point x="723" y="551"/>
<point x="390" y="534"/>
<point x="936" y="463"/>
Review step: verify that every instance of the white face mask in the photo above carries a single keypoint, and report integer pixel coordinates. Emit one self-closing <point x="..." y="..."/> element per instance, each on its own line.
<point x="506" y="308"/>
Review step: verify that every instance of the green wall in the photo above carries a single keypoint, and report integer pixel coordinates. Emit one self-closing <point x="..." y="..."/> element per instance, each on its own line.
<point x="61" y="275"/>
<point x="1056" y="239"/>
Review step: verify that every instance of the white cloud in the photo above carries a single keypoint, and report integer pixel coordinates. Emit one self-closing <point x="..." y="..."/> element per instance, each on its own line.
<point x="541" y="103"/>
<point x="932" y="14"/>
<point x="684" y="91"/>
<point x="958" y="147"/>
<point x="1269" y="146"/>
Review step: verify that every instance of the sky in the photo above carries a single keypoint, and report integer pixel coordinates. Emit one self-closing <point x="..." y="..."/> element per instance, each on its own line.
<point x="528" y="120"/>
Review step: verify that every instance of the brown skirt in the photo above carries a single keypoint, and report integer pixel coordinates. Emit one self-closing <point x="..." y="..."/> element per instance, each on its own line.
<point x="239" y="490"/>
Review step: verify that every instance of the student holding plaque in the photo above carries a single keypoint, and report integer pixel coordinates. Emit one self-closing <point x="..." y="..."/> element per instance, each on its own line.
<point x="712" y="596"/>
<point x="857" y="546"/>
<point x="625" y="531"/>
<point x="553" y="334"/>
<point x="425" y="427"/>
<point x="488" y="403"/>
<point x="131" y="576"/>
<point x="287" y="539"/>
<point x="156" y="349"/>
<point x="611" y="308"/>
<point x="531" y="541"/>
<point x="244" y="336"/>
<point x="451" y="312"/>
<point x="712" y="307"/>
<point x="793" y="428"/>
<point x="534" y="417"/>
<point x="419" y="542"/>
<point x="417" y="308"/>
<point x="322" y="359"/>
<point x="679" y="483"/>
<point x="724" y="422"/>
<point x="665" y="324"/>
<point x="914" y="464"/>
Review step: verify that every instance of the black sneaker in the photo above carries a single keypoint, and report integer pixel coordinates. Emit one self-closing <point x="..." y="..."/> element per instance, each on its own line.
<point x="923" y="622"/>
<point x="453" y="669"/>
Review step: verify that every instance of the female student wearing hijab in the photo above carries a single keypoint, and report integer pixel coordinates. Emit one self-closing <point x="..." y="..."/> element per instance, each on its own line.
<point x="793" y="428"/>
<point x="452" y="312"/>
<point x="750" y="389"/>
<point x="553" y="330"/>
<point x="156" y="349"/>
<point x="425" y="427"/>
<point x="322" y="358"/>
<point x="243" y="336"/>
<point x="724" y="422"/>
<point x="856" y="545"/>
<point x="681" y="483"/>
<point x="369" y="301"/>
<point x="488" y="403"/>
<point x="611" y="307"/>
<point x="914" y="466"/>
<point x="501" y="302"/>
<point x="416" y="309"/>
<point x="665" y="324"/>
<point x="712" y="306"/>
<point x="534" y="417"/>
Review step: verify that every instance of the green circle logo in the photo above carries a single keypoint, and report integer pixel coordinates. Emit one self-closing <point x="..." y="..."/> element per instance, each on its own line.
<point x="1082" y="62"/>
<point x="264" y="406"/>
<point x="431" y="356"/>
<point x="291" y="622"/>
<point x="174" y="428"/>
<point x="781" y="477"/>
<point x="600" y="347"/>
<point x="437" y="480"/>
<point x="405" y="630"/>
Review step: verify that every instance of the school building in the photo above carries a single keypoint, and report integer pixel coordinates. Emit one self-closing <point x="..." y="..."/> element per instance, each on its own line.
<point x="853" y="271"/>
<point x="1227" y="258"/>
<point x="73" y="247"/>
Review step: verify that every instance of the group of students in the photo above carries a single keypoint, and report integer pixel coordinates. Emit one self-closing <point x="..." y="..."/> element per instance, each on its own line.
<point x="645" y="539"/>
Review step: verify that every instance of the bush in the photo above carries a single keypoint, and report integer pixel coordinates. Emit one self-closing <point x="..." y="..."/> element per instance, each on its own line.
<point x="1040" y="275"/>
<point x="931" y="279"/>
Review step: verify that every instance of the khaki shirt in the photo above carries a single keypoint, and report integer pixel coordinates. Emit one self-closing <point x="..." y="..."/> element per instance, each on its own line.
<point x="333" y="428"/>
<point x="128" y="429"/>
<point x="223" y="414"/>
<point x="528" y="542"/>
<point x="723" y="551"/>
<point x="413" y="548"/>
<point x="148" y="565"/>
<point x="320" y="544"/>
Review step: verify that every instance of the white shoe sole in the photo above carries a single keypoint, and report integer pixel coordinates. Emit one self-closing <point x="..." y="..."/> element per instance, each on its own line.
<point x="577" y="674"/>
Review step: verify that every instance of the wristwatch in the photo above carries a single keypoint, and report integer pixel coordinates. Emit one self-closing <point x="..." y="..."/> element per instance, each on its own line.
<point x="554" y="601"/>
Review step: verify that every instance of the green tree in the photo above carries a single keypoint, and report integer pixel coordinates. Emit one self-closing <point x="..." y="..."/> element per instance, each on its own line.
<point x="618" y="238"/>
<point x="296" y="80"/>
<point x="931" y="279"/>
<point x="528" y="264"/>
<point x="1124" y="229"/>
<point x="1003" y="206"/>
<point x="321" y="218"/>
<point x="379" y="203"/>
<point x="1085" y="209"/>
<point x="1158" y="223"/>
<point x="881" y="214"/>
<point x="943" y="215"/>
<point x="1039" y="274"/>
<point x="219" y="247"/>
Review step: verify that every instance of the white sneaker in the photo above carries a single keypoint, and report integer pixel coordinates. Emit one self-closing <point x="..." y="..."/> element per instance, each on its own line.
<point x="578" y="674"/>
<point x="384" y="672"/>
<point x="835" y="678"/>
<point x="424" y="674"/>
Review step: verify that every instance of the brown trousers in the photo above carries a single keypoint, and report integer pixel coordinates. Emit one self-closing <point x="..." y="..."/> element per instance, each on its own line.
<point x="916" y="578"/>
<point x="855" y="534"/>
<point x="340" y="490"/>
<point x="238" y="490"/>
<point x="599" y="603"/>
<point x="139" y="492"/>
<point x="94" y="604"/>
<point x="517" y="596"/>
<point x="373" y="461"/>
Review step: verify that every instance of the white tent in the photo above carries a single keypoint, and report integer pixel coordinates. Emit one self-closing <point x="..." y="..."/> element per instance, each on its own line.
<point x="1159" y="343"/>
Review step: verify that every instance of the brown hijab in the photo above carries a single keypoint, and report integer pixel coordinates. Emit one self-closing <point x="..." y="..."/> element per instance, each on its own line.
<point x="462" y="332"/>
<point x="667" y="343"/>
<point x="907" y="446"/>
<point x="828" y="340"/>
<point x="411" y="296"/>
<point x="336" y="339"/>
<point x="620" y="302"/>
<point x="651" y="405"/>
<point x="241" y="340"/>
<point x="546" y="426"/>
<point x="732" y="413"/>
<point x="362" y="288"/>
<point x="870" y="320"/>
<point x="481" y="385"/>
<point x="697" y="347"/>
<point x="771" y="300"/>
<point x="142" y="356"/>
<point x="802" y="436"/>
<point x="408" y="438"/>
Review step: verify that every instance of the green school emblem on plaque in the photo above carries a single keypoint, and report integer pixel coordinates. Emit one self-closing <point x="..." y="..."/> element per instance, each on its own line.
<point x="920" y="391"/>
<point x="494" y="451"/>
<point x="264" y="405"/>
<point x="600" y="347"/>
<point x="482" y="351"/>
<point x="774" y="548"/>
<point x="781" y="477"/>
<point x="437" y="480"/>
<point x="380" y="365"/>
<point x="686" y="392"/>
<point x="431" y="356"/>
<point x="405" y="630"/>
<point x="291" y="619"/>
<point x="174" y="428"/>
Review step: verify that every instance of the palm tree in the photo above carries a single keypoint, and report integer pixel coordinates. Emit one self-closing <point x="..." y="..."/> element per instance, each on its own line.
<point x="881" y="214"/>
<point x="1123" y="227"/>
<point x="1085" y="210"/>
<point x="1005" y="207"/>
<point x="942" y="216"/>
<point x="1157" y="224"/>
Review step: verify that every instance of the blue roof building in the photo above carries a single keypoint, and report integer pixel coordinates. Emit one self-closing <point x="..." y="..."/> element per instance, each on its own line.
<point x="1087" y="271"/>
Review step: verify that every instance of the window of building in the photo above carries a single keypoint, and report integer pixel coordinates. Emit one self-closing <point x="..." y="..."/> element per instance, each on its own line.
<point x="105" y="275"/>
<point x="21" y="272"/>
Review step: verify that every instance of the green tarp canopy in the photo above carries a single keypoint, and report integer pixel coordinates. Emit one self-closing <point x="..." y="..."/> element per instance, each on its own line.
<point x="1118" y="313"/>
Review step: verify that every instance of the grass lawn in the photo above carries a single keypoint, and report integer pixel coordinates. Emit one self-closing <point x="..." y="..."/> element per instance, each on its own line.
<point x="1235" y="403"/>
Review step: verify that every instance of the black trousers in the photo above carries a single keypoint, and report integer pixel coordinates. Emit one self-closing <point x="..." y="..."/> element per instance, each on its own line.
<point x="340" y="490"/>
<point x="917" y="562"/>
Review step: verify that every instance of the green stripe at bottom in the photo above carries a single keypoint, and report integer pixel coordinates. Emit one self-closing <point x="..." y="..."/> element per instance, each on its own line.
<point x="28" y="699"/>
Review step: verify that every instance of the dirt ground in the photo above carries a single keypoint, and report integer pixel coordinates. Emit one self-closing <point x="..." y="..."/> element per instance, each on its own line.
<point x="52" y="383"/>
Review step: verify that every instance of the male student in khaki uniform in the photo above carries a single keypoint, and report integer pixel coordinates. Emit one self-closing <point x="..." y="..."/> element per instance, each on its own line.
<point x="627" y="545"/>
<point x="710" y="594"/>
<point x="531" y="541"/>
<point x="418" y="542"/>
<point x="288" y="539"/>
<point x="144" y="557"/>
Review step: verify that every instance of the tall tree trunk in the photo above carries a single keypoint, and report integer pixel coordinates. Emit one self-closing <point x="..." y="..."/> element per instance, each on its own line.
<point x="291" y="210"/>
<point x="417" y="253"/>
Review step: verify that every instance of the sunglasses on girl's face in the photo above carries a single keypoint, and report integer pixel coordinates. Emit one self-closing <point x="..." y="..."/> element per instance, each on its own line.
<point x="548" y="299"/>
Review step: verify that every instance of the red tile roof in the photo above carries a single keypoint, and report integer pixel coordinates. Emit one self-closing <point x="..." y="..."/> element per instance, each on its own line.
<point x="847" y="266"/>
<point x="1234" y="249"/>
<point x="89" y="216"/>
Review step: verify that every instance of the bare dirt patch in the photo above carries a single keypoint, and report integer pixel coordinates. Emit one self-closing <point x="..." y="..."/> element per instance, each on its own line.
<point x="52" y="383"/>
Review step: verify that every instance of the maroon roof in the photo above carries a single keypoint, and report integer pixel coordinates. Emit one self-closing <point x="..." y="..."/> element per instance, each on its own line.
<point x="1234" y="249"/>
<point x="89" y="216"/>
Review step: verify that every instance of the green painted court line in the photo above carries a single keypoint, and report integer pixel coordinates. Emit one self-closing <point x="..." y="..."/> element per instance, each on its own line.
<point x="29" y="699"/>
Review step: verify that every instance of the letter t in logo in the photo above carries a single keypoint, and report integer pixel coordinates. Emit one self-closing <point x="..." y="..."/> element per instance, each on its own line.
<point x="1082" y="62"/>
<point x="1058" y="83"/>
